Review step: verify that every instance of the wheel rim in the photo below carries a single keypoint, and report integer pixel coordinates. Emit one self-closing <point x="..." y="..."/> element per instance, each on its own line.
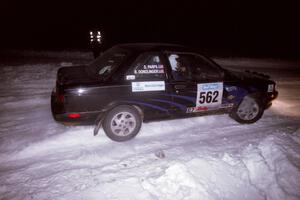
<point x="123" y="124"/>
<point x="248" y="109"/>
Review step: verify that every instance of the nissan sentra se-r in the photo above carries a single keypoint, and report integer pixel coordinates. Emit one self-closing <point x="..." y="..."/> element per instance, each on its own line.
<point x="132" y="83"/>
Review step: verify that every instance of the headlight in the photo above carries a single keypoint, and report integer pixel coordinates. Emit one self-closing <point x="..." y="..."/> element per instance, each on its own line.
<point x="80" y="91"/>
<point x="271" y="87"/>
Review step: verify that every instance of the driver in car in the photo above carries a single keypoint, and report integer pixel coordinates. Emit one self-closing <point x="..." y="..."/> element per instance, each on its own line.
<point x="179" y="69"/>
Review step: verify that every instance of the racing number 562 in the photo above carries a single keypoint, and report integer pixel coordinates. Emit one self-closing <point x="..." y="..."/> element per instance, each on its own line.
<point x="208" y="97"/>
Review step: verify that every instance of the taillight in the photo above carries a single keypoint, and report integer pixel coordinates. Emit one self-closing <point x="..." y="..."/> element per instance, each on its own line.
<point x="61" y="98"/>
<point x="74" y="115"/>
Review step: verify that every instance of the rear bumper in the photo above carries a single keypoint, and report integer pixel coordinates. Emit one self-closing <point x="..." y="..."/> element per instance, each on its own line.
<point x="83" y="118"/>
<point x="86" y="118"/>
<point x="57" y="108"/>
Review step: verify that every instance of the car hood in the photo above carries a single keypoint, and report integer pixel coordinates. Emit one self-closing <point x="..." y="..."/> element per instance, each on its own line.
<point x="249" y="76"/>
<point x="74" y="75"/>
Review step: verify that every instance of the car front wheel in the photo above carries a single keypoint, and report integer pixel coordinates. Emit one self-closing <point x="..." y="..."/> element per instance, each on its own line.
<point x="248" y="111"/>
<point x="122" y="123"/>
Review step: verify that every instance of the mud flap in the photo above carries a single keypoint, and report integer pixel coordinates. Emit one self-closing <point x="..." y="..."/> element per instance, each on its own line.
<point x="98" y="126"/>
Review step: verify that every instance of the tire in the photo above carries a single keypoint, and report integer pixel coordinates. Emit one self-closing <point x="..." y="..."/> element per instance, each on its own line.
<point x="248" y="111"/>
<point x="122" y="123"/>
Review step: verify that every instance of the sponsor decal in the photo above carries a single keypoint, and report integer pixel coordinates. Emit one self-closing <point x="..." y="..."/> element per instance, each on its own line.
<point x="230" y="88"/>
<point x="150" y="69"/>
<point x="148" y="86"/>
<point x="229" y="105"/>
<point x="196" y="109"/>
<point x="209" y="94"/>
<point x="130" y="77"/>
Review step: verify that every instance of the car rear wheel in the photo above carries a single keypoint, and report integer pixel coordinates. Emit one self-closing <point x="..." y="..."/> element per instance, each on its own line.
<point x="248" y="111"/>
<point x="122" y="123"/>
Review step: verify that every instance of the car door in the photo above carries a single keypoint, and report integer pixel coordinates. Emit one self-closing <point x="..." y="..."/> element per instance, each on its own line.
<point x="196" y="83"/>
<point x="149" y="90"/>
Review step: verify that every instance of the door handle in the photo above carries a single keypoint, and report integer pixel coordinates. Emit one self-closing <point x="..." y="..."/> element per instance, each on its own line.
<point x="178" y="87"/>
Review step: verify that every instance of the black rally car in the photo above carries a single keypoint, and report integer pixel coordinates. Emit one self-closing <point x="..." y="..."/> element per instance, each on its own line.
<point x="132" y="83"/>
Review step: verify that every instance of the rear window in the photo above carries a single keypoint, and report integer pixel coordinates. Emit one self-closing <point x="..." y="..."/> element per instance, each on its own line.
<point x="106" y="63"/>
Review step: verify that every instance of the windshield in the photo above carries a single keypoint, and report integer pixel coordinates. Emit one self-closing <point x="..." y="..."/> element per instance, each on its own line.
<point x="106" y="63"/>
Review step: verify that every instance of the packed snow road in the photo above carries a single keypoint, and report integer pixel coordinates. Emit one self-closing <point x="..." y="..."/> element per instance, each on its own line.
<point x="211" y="157"/>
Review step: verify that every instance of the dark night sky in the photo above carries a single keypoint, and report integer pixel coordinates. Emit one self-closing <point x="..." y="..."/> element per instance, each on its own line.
<point x="220" y="27"/>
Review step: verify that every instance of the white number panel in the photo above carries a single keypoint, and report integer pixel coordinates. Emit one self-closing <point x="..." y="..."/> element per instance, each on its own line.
<point x="209" y="94"/>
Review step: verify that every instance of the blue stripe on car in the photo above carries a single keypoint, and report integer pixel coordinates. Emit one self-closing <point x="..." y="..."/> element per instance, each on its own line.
<point x="148" y="105"/>
<point x="180" y="106"/>
<point x="239" y="93"/>
<point x="188" y="98"/>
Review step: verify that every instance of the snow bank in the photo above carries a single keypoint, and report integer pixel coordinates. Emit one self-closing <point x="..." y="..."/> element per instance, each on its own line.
<point x="257" y="63"/>
<point x="286" y="104"/>
<point x="176" y="183"/>
<point x="57" y="55"/>
<point x="260" y="172"/>
<point x="274" y="166"/>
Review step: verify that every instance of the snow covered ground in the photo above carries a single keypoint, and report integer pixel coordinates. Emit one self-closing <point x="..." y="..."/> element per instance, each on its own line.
<point x="211" y="157"/>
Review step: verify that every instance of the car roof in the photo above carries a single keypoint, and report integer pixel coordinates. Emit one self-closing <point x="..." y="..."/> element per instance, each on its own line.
<point x="142" y="47"/>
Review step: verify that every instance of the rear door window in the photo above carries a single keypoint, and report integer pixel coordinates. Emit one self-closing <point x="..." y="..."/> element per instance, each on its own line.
<point x="147" y="66"/>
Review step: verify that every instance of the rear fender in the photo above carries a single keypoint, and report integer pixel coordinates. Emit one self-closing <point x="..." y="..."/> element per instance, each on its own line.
<point x="120" y="103"/>
<point x="109" y="107"/>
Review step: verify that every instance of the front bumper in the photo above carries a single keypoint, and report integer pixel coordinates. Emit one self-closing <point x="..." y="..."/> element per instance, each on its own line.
<point x="273" y="96"/>
<point x="269" y="98"/>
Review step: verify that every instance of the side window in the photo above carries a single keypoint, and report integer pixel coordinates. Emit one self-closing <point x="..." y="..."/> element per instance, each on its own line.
<point x="180" y="64"/>
<point x="191" y="67"/>
<point x="148" y="66"/>
<point x="202" y="69"/>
